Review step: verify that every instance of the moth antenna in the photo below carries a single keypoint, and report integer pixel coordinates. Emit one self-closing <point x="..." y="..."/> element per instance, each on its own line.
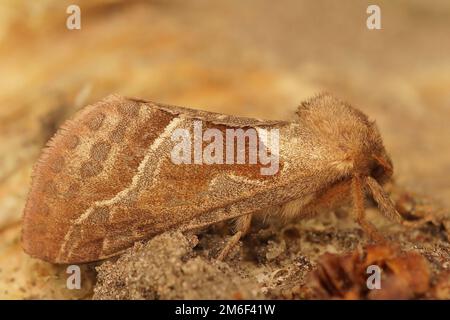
<point x="383" y="201"/>
<point x="359" y="210"/>
<point x="386" y="206"/>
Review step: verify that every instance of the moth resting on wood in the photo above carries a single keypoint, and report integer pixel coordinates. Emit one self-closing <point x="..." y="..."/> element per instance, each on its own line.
<point x="106" y="179"/>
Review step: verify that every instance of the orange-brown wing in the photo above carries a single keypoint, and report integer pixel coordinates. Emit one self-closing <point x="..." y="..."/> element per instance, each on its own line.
<point x="106" y="180"/>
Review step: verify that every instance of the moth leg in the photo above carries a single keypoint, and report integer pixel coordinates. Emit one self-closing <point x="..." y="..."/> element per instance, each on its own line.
<point x="242" y="226"/>
<point x="386" y="206"/>
<point x="359" y="210"/>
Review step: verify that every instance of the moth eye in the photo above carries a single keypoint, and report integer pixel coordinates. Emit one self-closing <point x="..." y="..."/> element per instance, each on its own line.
<point x="377" y="171"/>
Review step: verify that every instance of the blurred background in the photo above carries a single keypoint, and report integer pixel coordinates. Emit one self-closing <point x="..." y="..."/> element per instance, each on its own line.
<point x="250" y="58"/>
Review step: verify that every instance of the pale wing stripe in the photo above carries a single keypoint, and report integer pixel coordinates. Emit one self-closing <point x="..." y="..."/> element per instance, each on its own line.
<point x="135" y="181"/>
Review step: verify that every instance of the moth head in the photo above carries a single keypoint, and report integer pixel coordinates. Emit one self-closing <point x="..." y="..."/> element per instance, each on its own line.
<point x="371" y="159"/>
<point x="381" y="169"/>
<point x="348" y="134"/>
<point x="379" y="164"/>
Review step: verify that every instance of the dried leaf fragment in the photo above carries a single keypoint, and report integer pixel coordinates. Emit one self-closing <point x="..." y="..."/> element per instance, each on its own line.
<point x="404" y="275"/>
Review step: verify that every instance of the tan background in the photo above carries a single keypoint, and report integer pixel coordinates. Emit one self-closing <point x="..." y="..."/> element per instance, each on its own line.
<point x="252" y="58"/>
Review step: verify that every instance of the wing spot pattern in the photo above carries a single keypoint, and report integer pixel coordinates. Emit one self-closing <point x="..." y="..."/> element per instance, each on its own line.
<point x="100" y="151"/>
<point x="95" y="121"/>
<point x="90" y="169"/>
<point x="66" y="248"/>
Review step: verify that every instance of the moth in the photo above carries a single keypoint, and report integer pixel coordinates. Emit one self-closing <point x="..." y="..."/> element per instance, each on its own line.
<point x="106" y="179"/>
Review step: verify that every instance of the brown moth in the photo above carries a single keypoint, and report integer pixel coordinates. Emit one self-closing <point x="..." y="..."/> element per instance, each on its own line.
<point x="106" y="179"/>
